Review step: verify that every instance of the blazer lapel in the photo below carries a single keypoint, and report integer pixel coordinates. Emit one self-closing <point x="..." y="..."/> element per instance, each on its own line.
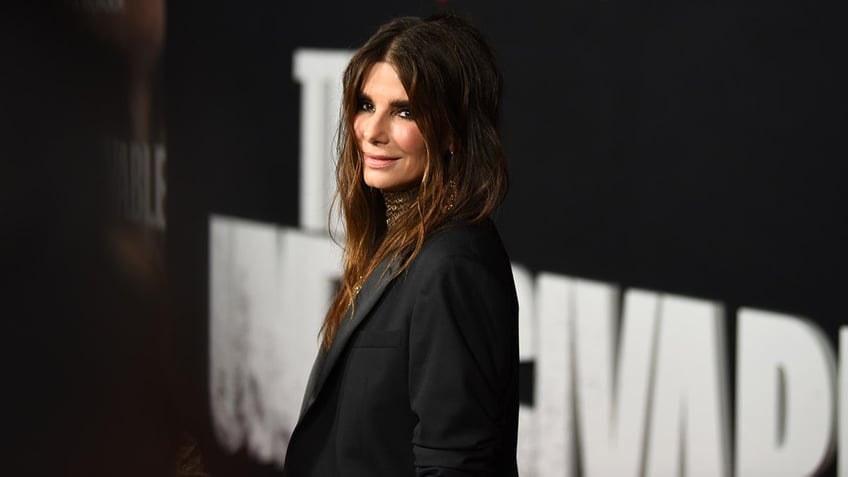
<point x="368" y="295"/>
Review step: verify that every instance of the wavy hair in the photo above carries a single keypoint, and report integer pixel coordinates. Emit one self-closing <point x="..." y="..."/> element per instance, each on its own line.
<point x="454" y="86"/>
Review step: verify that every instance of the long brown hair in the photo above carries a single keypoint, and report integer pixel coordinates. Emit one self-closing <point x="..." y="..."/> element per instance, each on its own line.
<point x="454" y="87"/>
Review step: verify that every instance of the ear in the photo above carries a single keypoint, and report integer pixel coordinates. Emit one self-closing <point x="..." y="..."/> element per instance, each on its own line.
<point x="450" y="146"/>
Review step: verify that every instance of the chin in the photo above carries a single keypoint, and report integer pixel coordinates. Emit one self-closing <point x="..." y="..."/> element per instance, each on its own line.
<point x="381" y="183"/>
<point x="389" y="182"/>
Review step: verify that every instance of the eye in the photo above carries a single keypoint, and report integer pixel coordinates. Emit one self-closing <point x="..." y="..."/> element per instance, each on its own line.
<point x="404" y="113"/>
<point x="364" y="105"/>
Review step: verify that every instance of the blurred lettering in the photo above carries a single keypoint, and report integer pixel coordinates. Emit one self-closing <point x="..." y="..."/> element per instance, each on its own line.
<point x="654" y="398"/>
<point x="689" y="429"/>
<point x="785" y="396"/>
<point x="270" y="287"/>
<point x="138" y="182"/>
<point x="613" y="375"/>
<point x="319" y="73"/>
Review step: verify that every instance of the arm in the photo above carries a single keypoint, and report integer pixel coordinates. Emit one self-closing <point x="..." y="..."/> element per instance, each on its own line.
<point x="463" y="370"/>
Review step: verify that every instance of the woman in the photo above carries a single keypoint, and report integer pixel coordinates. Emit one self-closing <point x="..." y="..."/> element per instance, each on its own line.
<point x="418" y="369"/>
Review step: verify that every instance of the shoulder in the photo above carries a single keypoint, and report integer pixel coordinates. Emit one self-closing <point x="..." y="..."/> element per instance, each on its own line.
<point x="476" y="247"/>
<point x="471" y="241"/>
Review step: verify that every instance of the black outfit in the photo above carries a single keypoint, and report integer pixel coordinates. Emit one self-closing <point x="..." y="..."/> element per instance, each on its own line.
<point x="423" y="380"/>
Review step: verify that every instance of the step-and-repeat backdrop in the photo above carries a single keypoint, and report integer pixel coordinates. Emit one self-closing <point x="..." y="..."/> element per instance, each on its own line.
<point x="676" y="223"/>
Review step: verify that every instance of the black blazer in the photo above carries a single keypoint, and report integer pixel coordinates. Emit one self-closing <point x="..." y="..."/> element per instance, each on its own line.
<point x="423" y="379"/>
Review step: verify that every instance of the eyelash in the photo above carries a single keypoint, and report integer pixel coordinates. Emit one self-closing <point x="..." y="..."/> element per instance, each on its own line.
<point x="364" y="106"/>
<point x="403" y="113"/>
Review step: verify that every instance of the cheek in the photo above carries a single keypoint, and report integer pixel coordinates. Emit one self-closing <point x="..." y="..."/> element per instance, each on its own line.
<point x="411" y="140"/>
<point x="357" y="128"/>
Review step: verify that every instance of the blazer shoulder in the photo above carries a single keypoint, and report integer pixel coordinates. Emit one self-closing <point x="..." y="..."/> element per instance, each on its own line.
<point x="477" y="242"/>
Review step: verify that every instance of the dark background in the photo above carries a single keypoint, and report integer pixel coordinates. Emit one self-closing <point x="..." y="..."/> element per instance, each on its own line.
<point x="688" y="147"/>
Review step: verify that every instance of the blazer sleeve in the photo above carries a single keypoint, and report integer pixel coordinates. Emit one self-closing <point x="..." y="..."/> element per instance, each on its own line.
<point x="463" y="368"/>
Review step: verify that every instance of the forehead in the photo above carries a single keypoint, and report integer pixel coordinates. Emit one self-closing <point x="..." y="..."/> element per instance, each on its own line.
<point x="382" y="81"/>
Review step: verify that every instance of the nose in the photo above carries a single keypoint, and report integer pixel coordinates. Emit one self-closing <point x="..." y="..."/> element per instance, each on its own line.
<point x="374" y="128"/>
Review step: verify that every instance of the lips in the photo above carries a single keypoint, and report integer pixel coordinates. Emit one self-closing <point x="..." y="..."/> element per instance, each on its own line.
<point x="375" y="161"/>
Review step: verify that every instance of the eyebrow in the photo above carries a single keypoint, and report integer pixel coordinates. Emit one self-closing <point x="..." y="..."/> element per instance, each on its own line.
<point x="397" y="103"/>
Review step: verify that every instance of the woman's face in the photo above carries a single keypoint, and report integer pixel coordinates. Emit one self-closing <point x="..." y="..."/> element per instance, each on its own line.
<point x="394" y="154"/>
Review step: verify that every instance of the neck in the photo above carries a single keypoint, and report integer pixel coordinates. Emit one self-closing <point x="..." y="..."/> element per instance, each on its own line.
<point x="398" y="204"/>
